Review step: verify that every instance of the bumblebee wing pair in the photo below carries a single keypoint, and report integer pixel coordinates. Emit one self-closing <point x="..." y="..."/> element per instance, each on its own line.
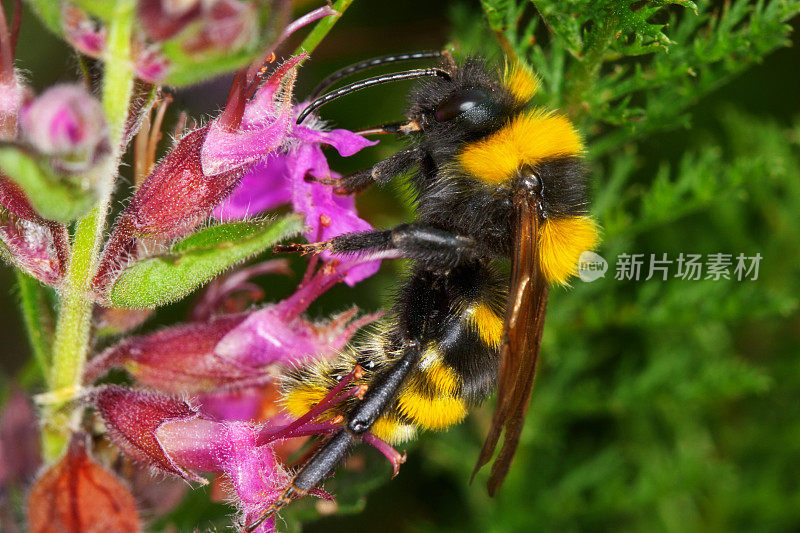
<point x="524" y="324"/>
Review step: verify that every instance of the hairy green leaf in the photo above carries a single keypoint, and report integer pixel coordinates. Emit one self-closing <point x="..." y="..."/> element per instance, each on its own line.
<point x="53" y="196"/>
<point x="197" y="260"/>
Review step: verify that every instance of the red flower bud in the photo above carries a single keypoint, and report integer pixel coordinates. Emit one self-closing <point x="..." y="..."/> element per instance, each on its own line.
<point x="170" y="434"/>
<point x="37" y="246"/>
<point x="133" y="418"/>
<point x="179" y="359"/>
<point x="172" y="201"/>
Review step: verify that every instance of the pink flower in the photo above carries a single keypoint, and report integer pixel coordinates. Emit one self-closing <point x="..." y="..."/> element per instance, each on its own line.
<point x="281" y="177"/>
<point x="173" y="200"/>
<point x="196" y="175"/>
<point x="82" y="32"/>
<point x="222" y="355"/>
<point x="279" y="334"/>
<point x="171" y="435"/>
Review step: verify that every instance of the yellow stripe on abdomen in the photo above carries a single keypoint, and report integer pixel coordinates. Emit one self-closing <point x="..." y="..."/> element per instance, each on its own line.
<point x="431" y="413"/>
<point x="300" y="399"/>
<point x="488" y="324"/>
<point x="392" y="430"/>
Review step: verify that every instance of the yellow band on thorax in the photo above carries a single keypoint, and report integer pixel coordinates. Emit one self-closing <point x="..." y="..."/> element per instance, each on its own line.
<point x="526" y="140"/>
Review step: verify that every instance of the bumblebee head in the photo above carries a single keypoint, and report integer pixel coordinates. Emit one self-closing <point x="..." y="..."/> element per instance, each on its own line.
<point x="471" y="102"/>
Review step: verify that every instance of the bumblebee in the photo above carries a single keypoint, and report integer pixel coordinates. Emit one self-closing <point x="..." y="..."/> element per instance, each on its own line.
<point x="495" y="179"/>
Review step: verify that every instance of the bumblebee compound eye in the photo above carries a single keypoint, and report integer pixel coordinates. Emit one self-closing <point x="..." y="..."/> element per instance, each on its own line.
<point x="458" y="103"/>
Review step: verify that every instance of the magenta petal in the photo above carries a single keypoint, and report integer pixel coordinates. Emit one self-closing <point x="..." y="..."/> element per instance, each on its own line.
<point x="236" y="405"/>
<point x="230" y="447"/>
<point x="224" y="150"/>
<point x="327" y="215"/>
<point x="346" y="142"/>
<point x="256" y="475"/>
<point x="263" y="187"/>
<point x="266" y="337"/>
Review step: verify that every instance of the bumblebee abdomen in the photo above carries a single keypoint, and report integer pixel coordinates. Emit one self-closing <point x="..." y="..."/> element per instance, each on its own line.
<point x="456" y="370"/>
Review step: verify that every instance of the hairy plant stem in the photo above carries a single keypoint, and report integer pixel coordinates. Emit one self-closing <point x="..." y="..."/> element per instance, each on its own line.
<point x="73" y="326"/>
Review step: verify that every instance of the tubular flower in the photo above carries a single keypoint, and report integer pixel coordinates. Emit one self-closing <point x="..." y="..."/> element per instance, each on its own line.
<point x="171" y="435"/>
<point x="220" y="355"/>
<point x="195" y="176"/>
<point x="282" y="178"/>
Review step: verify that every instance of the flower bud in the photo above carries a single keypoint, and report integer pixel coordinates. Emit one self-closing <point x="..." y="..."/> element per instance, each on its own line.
<point x="82" y="32"/>
<point x="163" y="19"/>
<point x="172" y="201"/>
<point x="37" y="246"/>
<point x="178" y="359"/>
<point x="226" y="25"/>
<point x="67" y="123"/>
<point x="132" y="419"/>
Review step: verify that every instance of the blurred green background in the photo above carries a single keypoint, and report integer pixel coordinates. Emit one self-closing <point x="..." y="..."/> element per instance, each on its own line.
<point x="659" y="405"/>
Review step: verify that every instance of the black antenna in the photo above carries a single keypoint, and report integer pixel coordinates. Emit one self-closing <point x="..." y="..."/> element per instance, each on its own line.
<point x="370" y="63"/>
<point x="369" y="82"/>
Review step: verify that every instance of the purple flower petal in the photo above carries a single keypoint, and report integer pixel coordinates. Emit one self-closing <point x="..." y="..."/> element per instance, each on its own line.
<point x="265" y="338"/>
<point x="225" y="150"/>
<point x="168" y="433"/>
<point x="262" y="188"/>
<point x="279" y="334"/>
<point x="346" y="142"/>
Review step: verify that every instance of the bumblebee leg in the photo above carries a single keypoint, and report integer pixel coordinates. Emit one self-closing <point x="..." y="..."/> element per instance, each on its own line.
<point x="380" y="173"/>
<point x="366" y="412"/>
<point x="432" y="246"/>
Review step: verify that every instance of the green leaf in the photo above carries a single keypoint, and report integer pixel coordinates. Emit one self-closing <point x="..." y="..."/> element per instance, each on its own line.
<point x="102" y="9"/>
<point x="53" y="197"/>
<point x="49" y="13"/>
<point x="197" y="260"/>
